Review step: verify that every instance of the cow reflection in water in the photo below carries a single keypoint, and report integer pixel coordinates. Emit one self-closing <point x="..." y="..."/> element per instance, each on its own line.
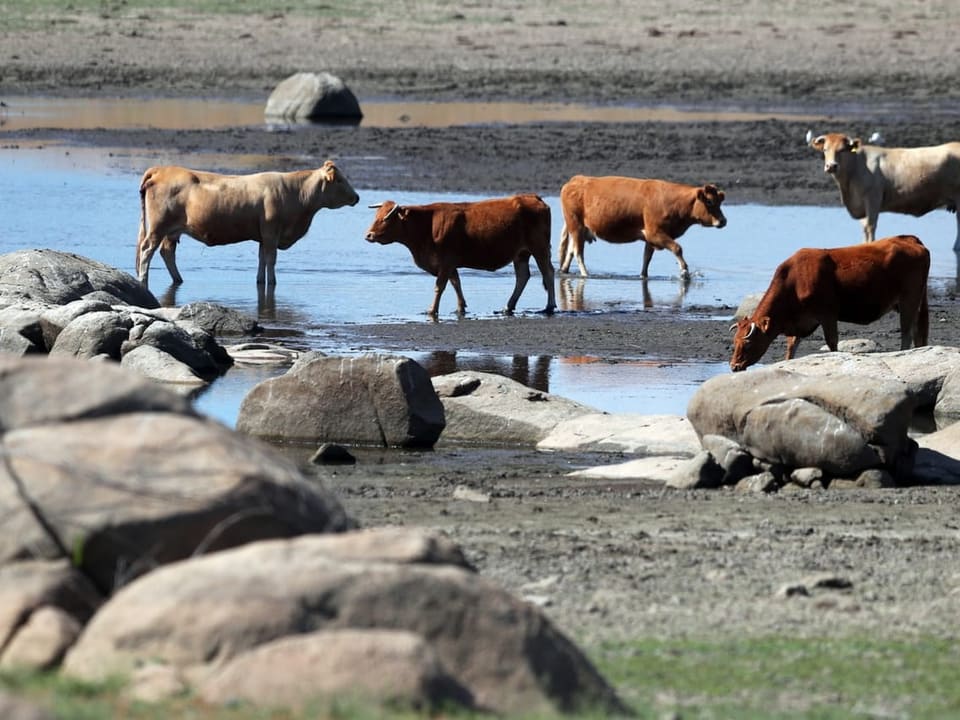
<point x="572" y="295"/>
<point x="534" y="372"/>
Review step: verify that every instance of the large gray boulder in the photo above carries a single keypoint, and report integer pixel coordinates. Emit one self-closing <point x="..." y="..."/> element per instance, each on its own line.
<point x="312" y="96"/>
<point x="36" y="596"/>
<point x="218" y="320"/>
<point x="21" y="331"/>
<point x="189" y="345"/>
<point x="627" y="433"/>
<point x="64" y="304"/>
<point x="842" y="425"/>
<point x="382" y="400"/>
<point x="931" y="373"/>
<point x="489" y="409"/>
<point x="56" y="317"/>
<point x="207" y="611"/>
<point x="387" y="667"/>
<point x="93" y="334"/>
<point x="41" y="390"/>
<point x="100" y="468"/>
<point x="57" y="278"/>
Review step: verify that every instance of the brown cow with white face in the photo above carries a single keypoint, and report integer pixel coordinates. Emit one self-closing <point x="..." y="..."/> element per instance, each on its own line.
<point x="821" y="287"/>
<point x="874" y="179"/>
<point x="624" y="210"/>
<point x="485" y="235"/>
<point x="273" y="208"/>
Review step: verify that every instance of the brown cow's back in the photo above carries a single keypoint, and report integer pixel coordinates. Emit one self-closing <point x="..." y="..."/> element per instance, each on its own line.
<point x="870" y="277"/>
<point x="822" y="287"/>
<point x="475" y="232"/>
<point x="482" y="235"/>
<point x="613" y="207"/>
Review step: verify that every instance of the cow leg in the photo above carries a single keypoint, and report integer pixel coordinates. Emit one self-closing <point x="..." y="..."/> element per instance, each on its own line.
<point x="521" y="267"/>
<point x="562" y="257"/>
<point x="146" y="246"/>
<point x="674" y="247"/>
<point x="792" y="342"/>
<point x="461" y="301"/>
<point x="546" y="273"/>
<point x="869" y="222"/>
<point x="647" y="257"/>
<point x="831" y="333"/>
<point x="438" y="289"/>
<point x="956" y="243"/>
<point x="579" y="242"/>
<point x="168" y="251"/>
<point x="266" y="270"/>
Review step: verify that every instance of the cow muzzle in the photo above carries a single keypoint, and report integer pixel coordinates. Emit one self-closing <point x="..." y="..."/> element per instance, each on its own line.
<point x="830" y="168"/>
<point x="720" y="222"/>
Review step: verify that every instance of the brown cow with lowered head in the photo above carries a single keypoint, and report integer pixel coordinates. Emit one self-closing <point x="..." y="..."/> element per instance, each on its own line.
<point x="273" y="208"/>
<point x="624" y="209"/>
<point x="872" y="179"/>
<point x="857" y="284"/>
<point x="485" y="235"/>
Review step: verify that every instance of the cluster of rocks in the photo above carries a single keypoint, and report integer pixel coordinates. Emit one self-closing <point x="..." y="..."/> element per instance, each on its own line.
<point x="837" y="419"/>
<point x="65" y="305"/>
<point x="144" y="541"/>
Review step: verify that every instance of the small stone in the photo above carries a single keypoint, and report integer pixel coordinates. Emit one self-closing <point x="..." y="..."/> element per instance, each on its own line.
<point x="462" y="492"/>
<point x="332" y="454"/>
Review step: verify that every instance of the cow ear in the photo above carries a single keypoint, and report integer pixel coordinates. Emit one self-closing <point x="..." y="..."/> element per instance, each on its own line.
<point x="764" y="323"/>
<point x="818" y="142"/>
<point x="721" y="195"/>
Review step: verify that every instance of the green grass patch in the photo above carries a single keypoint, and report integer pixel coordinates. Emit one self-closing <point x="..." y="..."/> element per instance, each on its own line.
<point x="753" y="678"/>
<point x="787" y="678"/>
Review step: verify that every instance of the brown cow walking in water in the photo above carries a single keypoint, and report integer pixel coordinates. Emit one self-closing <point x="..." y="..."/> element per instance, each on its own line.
<point x="624" y="210"/>
<point x="484" y="235"/>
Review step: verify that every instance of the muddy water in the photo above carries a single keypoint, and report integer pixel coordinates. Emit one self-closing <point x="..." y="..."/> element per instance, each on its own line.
<point x="181" y="114"/>
<point x="334" y="278"/>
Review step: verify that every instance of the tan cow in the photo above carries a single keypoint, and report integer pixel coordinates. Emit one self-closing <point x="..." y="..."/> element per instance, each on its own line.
<point x="624" y="210"/>
<point x="874" y="179"/>
<point x="273" y="208"/>
<point x="857" y="284"/>
<point x="485" y="235"/>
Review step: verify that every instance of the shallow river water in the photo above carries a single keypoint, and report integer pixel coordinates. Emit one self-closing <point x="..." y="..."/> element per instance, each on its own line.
<point x="60" y="198"/>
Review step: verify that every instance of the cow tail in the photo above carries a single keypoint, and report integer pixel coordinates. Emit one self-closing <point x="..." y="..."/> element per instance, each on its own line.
<point x="145" y="184"/>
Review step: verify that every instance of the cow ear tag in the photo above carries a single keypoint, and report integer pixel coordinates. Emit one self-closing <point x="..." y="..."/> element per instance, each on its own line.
<point x="853" y="149"/>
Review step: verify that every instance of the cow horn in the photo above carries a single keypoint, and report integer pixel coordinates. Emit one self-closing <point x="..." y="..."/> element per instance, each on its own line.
<point x="753" y="326"/>
<point x="393" y="210"/>
<point x="374" y="207"/>
<point x="733" y="327"/>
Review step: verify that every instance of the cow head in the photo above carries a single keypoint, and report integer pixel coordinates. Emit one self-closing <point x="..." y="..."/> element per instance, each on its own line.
<point x="836" y="149"/>
<point x="707" y="209"/>
<point x="335" y="190"/>
<point x="386" y="226"/>
<point x="751" y="339"/>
